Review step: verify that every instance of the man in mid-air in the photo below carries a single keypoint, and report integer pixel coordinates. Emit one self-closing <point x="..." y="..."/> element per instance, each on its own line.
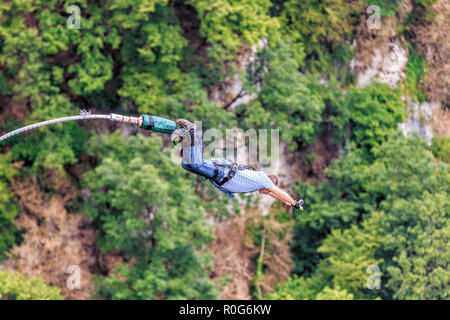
<point x="225" y="174"/>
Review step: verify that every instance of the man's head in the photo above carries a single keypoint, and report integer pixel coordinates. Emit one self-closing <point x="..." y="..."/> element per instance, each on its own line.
<point x="274" y="179"/>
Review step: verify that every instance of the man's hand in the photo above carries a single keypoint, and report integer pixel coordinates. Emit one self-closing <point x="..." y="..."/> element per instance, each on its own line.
<point x="299" y="204"/>
<point x="281" y="195"/>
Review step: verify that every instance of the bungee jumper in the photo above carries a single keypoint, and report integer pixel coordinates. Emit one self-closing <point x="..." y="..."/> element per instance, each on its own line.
<point x="224" y="174"/>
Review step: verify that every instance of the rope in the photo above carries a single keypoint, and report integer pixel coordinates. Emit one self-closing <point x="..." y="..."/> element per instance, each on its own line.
<point x="84" y="115"/>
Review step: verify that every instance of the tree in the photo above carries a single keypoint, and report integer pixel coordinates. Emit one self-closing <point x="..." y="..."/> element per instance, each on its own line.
<point x="191" y="102"/>
<point x="8" y="210"/>
<point x="322" y="28"/>
<point x="229" y="23"/>
<point x="418" y="231"/>
<point x="395" y="218"/>
<point x="32" y="78"/>
<point x="441" y="148"/>
<point x="145" y="208"/>
<point x="294" y="288"/>
<point x="16" y="286"/>
<point x="285" y="100"/>
<point x="349" y="257"/>
<point x="300" y="289"/>
<point x="373" y="114"/>
<point x="334" y="294"/>
<point x="151" y="50"/>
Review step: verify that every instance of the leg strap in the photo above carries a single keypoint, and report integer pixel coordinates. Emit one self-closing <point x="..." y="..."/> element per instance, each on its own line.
<point x="233" y="169"/>
<point x="221" y="189"/>
<point x="216" y="171"/>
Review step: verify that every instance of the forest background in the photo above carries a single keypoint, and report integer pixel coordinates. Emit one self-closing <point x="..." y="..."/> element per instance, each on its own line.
<point x="105" y="202"/>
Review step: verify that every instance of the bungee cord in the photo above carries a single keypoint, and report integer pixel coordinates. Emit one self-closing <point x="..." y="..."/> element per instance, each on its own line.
<point x="147" y="122"/>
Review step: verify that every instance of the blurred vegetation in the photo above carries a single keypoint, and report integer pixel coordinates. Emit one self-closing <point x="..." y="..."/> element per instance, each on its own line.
<point x="146" y="209"/>
<point x="385" y="201"/>
<point x="16" y="286"/>
<point x="322" y="28"/>
<point x="8" y="210"/>
<point x="379" y="212"/>
<point x="415" y="72"/>
<point x="441" y="148"/>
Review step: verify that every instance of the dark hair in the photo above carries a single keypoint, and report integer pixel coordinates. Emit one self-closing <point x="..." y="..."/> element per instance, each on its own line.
<point x="274" y="179"/>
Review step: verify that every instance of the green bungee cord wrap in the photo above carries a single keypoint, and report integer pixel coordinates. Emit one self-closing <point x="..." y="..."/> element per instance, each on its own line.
<point x="157" y="124"/>
<point x="145" y="121"/>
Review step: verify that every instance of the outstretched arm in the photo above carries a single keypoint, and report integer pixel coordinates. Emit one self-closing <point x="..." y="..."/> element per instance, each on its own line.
<point x="282" y="195"/>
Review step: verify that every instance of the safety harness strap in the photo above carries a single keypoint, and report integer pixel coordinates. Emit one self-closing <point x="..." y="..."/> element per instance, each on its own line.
<point x="232" y="172"/>
<point x="191" y="132"/>
<point x="221" y="189"/>
<point x="233" y="169"/>
<point x="216" y="171"/>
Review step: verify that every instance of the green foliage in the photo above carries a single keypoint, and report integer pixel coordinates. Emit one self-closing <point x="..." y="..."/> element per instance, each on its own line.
<point x="415" y="72"/>
<point x="427" y="7"/>
<point x="300" y="289"/>
<point x="322" y="27"/>
<point x="388" y="8"/>
<point x="191" y="102"/>
<point x="348" y="255"/>
<point x="334" y="294"/>
<point x="303" y="108"/>
<point x="422" y="10"/>
<point x="145" y="208"/>
<point x="34" y="80"/>
<point x="8" y="209"/>
<point x="228" y="26"/>
<point x="385" y="201"/>
<point x="285" y="102"/>
<point x="336" y="112"/>
<point x="294" y="288"/>
<point x="372" y="114"/>
<point x="315" y="19"/>
<point x="55" y="145"/>
<point x="441" y="148"/>
<point x="152" y="48"/>
<point x="418" y="231"/>
<point x="16" y="286"/>
<point x="229" y="22"/>
<point x="392" y="213"/>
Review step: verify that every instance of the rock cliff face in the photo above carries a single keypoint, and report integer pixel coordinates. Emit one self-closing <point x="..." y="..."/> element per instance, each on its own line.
<point x="387" y="65"/>
<point x="433" y="42"/>
<point x="382" y="56"/>
<point x="231" y="93"/>
<point x="420" y="120"/>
